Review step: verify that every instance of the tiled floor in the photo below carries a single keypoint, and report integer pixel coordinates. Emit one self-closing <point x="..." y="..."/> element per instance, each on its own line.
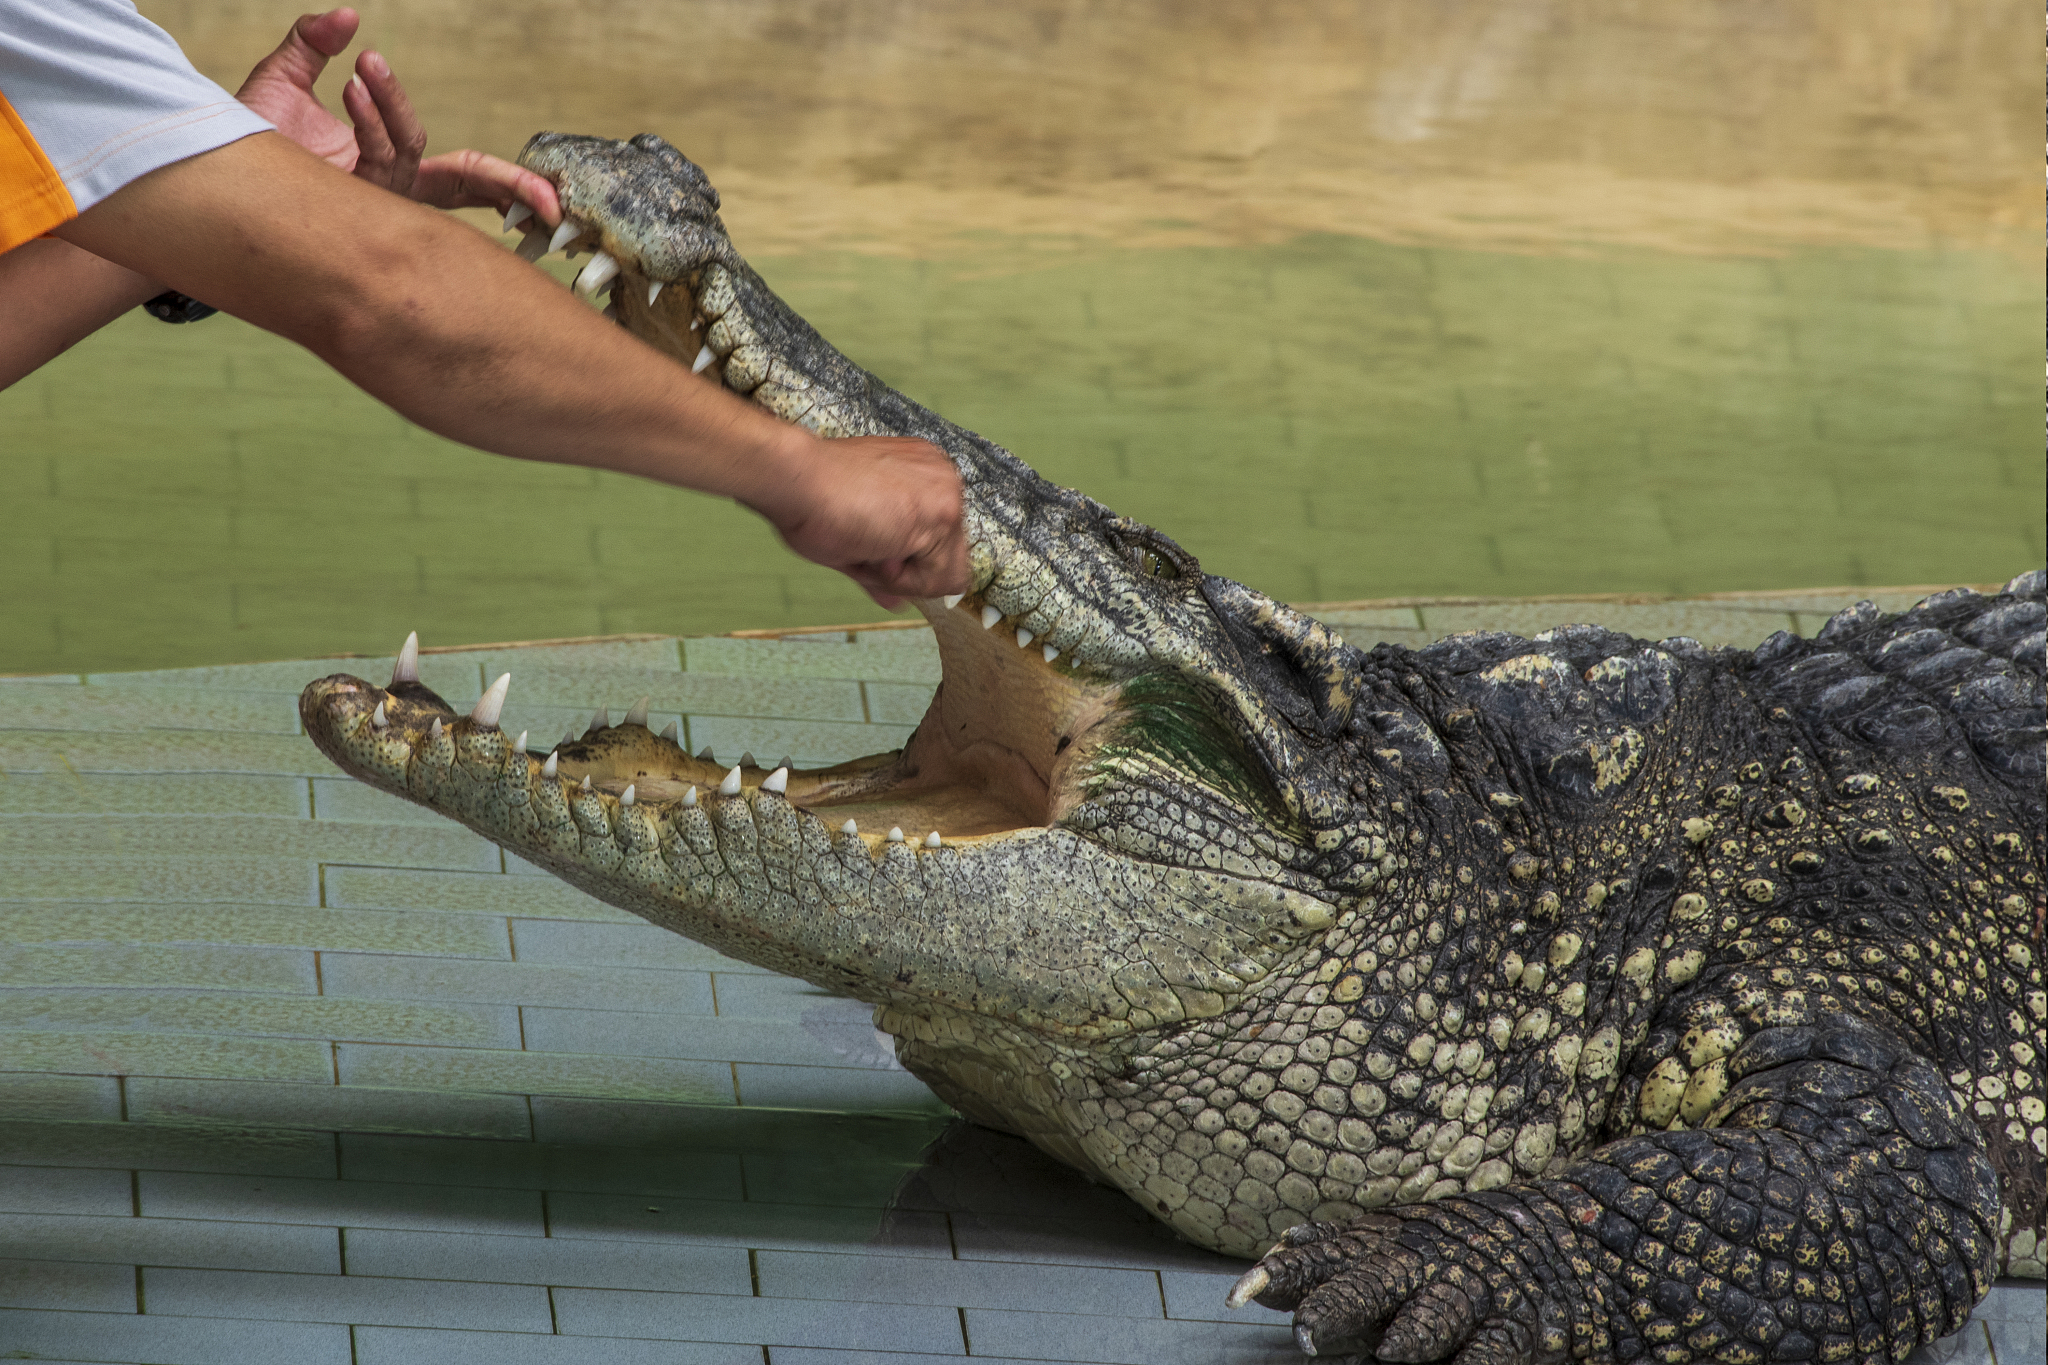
<point x="332" y="1080"/>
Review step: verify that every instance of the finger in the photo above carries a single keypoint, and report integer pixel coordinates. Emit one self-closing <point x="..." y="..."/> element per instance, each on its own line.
<point x="1434" y="1322"/>
<point x="1348" y="1309"/>
<point x="402" y="130"/>
<point x="375" y="155"/>
<point x="471" y="179"/>
<point x="307" y="45"/>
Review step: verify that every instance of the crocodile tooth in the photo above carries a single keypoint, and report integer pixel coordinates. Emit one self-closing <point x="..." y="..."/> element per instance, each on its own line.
<point x="747" y="759"/>
<point x="932" y="840"/>
<point x="654" y="288"/>
<point x="547" y="769"/>
<point x="669" y="733"/>
<point x="695" y="323"/>
<point x="777" y="782"/>
<point x="492" y="703"/>
<point x="568" y="738"/>
<point x="533" y="245"/>
<point x="626" y="796"/>
<point x="1050" y="653"/>
<point x="731" y="785"/>
<point x="952" y="599"/>
<point x="849" y="827"/>
<point x="565" y="234"/>
<point x="586" y="783"/>
<point x="516" y="215"/>
<point x="520" y="747"/>
<point x="610" y="313"/>
<point x="703" y="360"/>
<point x="379" y="719"/>
<point x="1024" y="638"/>
<point x="600" y="719"/>
<point x="895" y="834"/>
<point x="601" y="271"/>
<point x="705" y="754"/>
<point x="989" y="617"/>
<point x="636" y="714"/>
<point x="434" y="730"/>
<point x="690" y="797"/>
<point x="407" y="669"/>
<point x="787" y="762"/>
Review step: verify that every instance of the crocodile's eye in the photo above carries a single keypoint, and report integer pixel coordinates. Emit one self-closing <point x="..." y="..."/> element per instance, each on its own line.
<point x="1151" y="554"/>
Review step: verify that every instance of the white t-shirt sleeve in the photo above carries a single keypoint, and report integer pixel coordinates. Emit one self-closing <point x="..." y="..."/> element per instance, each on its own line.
<point x="107" y="96"/>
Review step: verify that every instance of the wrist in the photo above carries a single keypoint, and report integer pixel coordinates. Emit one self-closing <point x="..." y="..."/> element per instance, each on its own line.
<point x="777" y="474"/>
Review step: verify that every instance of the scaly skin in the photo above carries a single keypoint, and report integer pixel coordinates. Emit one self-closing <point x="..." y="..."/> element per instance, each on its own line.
<point x="1577" y="996"/>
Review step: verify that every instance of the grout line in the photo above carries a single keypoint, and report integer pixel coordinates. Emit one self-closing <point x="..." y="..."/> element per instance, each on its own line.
<point x="1160" y="1280"/>
<point x="754" y="1270"/>
<point x="341" y="1249"/>
<point x="141" y="1304"/>
<point x="554" y="1319"/>
<point x="121" y="1095"/>
<point x="867" y="714"/>
<point x="966" y="1342"/>
<point x="135" y="1193"/>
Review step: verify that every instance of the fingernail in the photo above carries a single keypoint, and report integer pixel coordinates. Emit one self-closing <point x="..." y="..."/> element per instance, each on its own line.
<point x="378" y="64"/>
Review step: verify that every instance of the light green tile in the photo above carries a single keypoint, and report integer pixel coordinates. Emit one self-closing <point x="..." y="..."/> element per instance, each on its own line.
<point x="112" y="877"/>
<point x="159" y="751"/>
<point x="678" y="992"/>
<point x="345" y="799"/>
<point x="884" y="656"/>
<point x="897" y="703"/>
<point x="325" y="1107"/>
<point x="445" y="673"/>
<point x="67" y="793"/>
<point x="127" y="709"/>
<point x="376" y="931"/>
<point x="625" y="656"/>
<point x="525" y="1073"/>
<point x="141" y="1054"/>
<point x="673" y="691"/>
<point x="399" y="889"/>
<point x="811" y="743"/>
<point x="241" y="1150"/>
<point x="144" y="838"/>
<point x="257" y="1016"/>
<point x="285" y="970"/>
<point x="44" y="1099"/>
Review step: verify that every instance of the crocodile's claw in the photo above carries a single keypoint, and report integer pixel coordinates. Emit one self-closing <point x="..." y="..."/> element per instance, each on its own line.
<point x="1408" y="1289"/>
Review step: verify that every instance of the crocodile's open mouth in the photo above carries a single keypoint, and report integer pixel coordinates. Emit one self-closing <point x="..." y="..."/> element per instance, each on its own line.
<point x="1001" y="749"/>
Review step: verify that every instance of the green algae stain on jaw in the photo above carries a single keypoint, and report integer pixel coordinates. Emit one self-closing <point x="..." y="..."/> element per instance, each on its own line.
<point x="1326" y="418"/>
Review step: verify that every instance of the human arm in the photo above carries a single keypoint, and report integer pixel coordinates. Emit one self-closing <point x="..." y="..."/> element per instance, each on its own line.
<point x="466" y="340"/>
<point x="56" y="296"/>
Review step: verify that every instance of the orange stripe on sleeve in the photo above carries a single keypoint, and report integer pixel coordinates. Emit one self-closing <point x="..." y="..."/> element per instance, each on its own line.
<point x="32" y="195"/>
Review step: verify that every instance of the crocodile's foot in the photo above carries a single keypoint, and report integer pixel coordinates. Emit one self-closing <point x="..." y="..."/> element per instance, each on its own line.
<point x="1440" y="1282"/>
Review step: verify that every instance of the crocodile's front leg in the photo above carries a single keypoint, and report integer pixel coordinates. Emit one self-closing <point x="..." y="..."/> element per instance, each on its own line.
<point x="1837" y="1207"/>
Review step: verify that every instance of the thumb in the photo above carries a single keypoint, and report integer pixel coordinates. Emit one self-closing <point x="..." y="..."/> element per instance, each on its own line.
<point x="303" y="54"/>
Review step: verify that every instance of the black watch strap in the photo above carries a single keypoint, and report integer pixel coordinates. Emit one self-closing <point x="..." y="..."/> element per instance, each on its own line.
<point x="171" y="306"/>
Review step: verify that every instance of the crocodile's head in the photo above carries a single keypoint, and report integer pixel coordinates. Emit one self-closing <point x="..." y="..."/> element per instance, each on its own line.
<point x="1125" y="810"/>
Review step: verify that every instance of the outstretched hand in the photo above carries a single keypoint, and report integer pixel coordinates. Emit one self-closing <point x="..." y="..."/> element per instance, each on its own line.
<point x="387" y="145"/>
<point x="883" y="510"/>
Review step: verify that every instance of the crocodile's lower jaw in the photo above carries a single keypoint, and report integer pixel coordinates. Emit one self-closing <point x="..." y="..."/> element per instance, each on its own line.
<point x="994" y="757"/>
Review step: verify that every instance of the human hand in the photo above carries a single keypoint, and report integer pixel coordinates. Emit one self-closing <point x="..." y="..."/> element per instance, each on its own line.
<point x="387" y="144"/>
<point x="883" y="510"/>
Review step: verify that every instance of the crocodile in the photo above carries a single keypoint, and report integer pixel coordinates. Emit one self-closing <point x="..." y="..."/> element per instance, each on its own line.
<point x="1503" y="1000"/>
